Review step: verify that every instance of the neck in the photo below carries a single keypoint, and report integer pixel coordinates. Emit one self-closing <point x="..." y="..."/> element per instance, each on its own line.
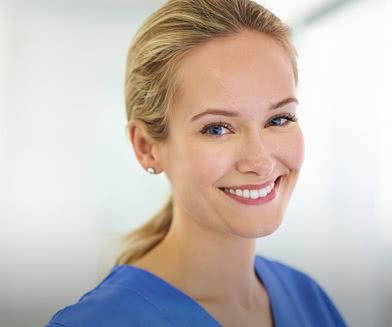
<point x="205" y="264"/>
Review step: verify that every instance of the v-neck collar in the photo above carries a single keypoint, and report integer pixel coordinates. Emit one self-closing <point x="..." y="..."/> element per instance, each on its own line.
<point x="166" y="297"/>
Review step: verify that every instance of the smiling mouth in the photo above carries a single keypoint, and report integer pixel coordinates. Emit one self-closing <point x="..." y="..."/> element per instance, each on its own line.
<point x="244" y="193"/>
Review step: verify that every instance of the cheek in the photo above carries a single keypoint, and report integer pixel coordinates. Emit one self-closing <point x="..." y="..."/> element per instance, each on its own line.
<point x="199" y="162"/>
<point x="206" y="162"/>
<point x="291" y="149"/>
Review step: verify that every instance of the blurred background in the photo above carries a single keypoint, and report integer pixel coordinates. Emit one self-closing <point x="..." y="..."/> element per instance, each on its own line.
<point x="70" y="185"/>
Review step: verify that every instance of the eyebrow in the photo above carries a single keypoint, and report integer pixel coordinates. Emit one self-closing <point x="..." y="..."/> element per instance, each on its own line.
<point x="228" y="113"/>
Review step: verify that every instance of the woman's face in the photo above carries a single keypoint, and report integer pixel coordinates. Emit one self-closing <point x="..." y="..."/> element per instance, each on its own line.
<point x="230" y="128"/>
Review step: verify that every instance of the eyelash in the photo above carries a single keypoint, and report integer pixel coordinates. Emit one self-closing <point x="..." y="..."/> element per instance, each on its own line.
<point x="288" y="117"/>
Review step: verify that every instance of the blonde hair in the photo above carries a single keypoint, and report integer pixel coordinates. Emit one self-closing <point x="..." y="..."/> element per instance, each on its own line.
<point x="150" y="83"/>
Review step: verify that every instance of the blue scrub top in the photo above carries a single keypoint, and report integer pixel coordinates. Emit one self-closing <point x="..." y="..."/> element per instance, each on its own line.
<point x="133" y="297"/>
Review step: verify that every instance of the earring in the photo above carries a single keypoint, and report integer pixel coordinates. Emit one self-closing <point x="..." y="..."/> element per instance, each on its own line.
<point x="151" y="170"/>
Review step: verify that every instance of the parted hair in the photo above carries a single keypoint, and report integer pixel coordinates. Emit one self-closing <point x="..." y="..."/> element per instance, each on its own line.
<point x="150" y="79"/>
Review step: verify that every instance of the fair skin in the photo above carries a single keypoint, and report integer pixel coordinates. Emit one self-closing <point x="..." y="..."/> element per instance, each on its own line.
<point x="209" y="250"/>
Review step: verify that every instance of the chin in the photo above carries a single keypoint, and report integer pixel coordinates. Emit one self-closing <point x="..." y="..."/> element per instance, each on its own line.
<point x="259" y="231"/>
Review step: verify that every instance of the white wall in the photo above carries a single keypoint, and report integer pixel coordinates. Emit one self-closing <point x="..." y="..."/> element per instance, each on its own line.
<point x="73" y="183"/>
<point x="70" y="185"/>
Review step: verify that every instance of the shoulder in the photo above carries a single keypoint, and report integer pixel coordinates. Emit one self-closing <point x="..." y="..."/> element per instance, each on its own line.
<point x="116" y="301"/>
<point x="288" y="276"/>
<point x="299" y="293"/>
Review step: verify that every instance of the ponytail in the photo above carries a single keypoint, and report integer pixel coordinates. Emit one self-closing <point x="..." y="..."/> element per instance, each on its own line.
<point x="140" y="241"/>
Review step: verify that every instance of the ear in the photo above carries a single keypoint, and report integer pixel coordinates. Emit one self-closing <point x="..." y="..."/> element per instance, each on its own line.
<point x="144" y="146"/>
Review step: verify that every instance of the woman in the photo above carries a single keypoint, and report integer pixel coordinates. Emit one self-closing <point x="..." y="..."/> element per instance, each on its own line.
<point x="210" y="98"/>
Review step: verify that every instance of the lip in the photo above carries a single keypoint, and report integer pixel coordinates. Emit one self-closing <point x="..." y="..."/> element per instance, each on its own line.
<point x="251" y="186"/>
<point x="260" y="200"/>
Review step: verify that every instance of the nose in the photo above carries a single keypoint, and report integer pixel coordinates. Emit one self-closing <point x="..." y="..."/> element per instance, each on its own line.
<point x="255" y="157"/>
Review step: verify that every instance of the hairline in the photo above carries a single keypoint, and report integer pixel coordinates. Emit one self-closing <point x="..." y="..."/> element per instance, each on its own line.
<point x="174" y="88"/>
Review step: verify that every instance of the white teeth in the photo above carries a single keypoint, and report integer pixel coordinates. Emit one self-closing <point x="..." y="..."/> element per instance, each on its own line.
<point x="246" y="194"/>
<point x="263" y="192"/>
<point x="253" y="194"/>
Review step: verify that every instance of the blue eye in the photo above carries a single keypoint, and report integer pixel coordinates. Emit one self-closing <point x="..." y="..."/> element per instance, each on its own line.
<point x="216" y="129"/>
<point x="287" y="117"/>
<point x="221" y="128"/>
<point x="275" y="123"/>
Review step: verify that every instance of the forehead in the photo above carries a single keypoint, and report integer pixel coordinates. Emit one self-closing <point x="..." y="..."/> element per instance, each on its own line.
<point x="235" y="72"/>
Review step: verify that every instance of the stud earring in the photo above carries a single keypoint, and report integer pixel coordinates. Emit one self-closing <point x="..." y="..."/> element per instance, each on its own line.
<point x="151" y="170"/>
